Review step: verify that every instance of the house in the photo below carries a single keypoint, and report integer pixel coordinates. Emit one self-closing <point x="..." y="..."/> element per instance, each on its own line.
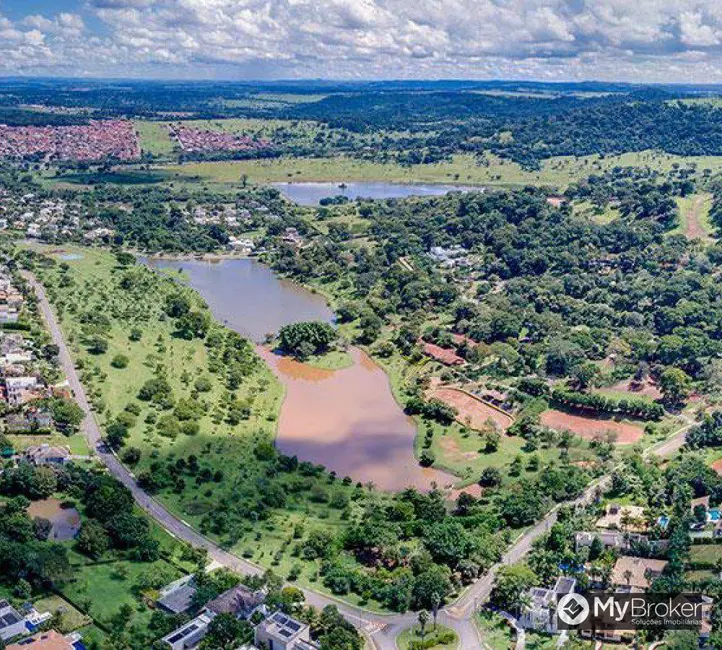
<point x="239" y="601"/>
<point x="540" y="612"/>
<point x="14" y="358"/>
<point x="8" y="314"/>
<point x="281" y="632"/>
<point x="12" y="624"/>
<point x="609" y="539"/>
<point x="292" y="236"/>
<point x="51" y="640"/>
<point x="47" y="455"/>
<point x="636" y="573"/>
<point x="177" y="597"/>
<point x="17" y="387"/>
<point x="188" y="636"/>
<point x="32" y="422"/>
<point x="629" y="518"/>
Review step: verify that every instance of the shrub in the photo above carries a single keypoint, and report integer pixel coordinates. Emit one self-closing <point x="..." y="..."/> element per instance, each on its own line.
<point x="120" y="361"/>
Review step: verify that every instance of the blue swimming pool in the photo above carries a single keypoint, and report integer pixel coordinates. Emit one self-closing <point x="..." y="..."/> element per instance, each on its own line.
<point x="714" y="514"/>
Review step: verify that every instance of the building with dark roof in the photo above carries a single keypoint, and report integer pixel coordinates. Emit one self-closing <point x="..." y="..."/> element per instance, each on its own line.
<point x="239" y="601"/>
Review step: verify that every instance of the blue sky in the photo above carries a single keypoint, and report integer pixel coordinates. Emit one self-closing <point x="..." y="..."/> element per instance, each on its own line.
<point x="624" y="40"/>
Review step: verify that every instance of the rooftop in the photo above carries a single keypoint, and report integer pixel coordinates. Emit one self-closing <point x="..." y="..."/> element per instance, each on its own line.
<point x="636" y="572"/>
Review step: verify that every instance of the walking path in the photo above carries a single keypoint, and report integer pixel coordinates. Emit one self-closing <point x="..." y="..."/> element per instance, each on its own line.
<point x="380" y="629"/>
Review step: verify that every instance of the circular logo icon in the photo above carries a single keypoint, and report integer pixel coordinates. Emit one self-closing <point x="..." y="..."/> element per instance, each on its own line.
<point x="572" y="609"/>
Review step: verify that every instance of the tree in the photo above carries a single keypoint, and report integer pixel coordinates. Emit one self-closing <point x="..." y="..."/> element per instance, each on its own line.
<point x="304" y="339"/>
<point x="510" y="582"/>
<point x="423" y="618"/>
<point x="448" y="542"/>
<point x="92" y="539"/>
<point x="120" y="361"/>
<point x="225" y="631"/>
<point x="490" y="477"/>
<point x="97" y="345"/>
<point x="430" y="588"/>
<point x="675" y="385"/>
<point x="193" y="325"/>
<point x="66" y="413"/>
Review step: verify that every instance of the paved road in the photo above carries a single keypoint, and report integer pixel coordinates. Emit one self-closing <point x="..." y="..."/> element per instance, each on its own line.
<point x="381" y="630"/>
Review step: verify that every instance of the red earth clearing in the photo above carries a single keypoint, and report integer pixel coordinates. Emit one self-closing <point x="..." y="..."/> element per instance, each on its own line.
<point x="591" y="427"/>
<point x="717" y="466"/>
<point x="472" y="411"/>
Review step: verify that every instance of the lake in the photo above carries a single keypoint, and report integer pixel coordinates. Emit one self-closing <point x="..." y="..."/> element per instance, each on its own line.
<point x="248" y="296"/>
<point x="346" y="420"/>
<point x="312" y="193"/>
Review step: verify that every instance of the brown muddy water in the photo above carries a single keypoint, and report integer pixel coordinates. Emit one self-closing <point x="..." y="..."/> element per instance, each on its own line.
<point x="346" y="420"/>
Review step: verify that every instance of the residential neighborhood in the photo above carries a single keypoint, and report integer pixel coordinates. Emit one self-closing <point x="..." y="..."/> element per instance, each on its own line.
<point x="98" y="140"/>
<point x="193" y="140"/>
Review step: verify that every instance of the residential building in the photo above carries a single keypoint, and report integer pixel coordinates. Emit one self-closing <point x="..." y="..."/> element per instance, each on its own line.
<point x="47" y="455"/>
<point x="540" y="612"/>
<point x="281" y="632"/>
<point x="51" y="640"/>
<point x="33" y="421"/>
<point x="12" y="624"/>
<point x="17" y="387"/>
<point x="629" y="518"/>
<point x="177" y="597"/>
<point x="636" y="573"/>
<point x="239" y="601"/>
<point x="610" y="539"/>
<point x="188" y="636"/>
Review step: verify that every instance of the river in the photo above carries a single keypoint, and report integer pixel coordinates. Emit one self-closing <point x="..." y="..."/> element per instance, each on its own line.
<point x="311" y="193"/>
<point x="346" y="420"/>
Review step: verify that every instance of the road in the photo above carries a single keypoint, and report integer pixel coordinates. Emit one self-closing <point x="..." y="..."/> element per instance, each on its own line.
<point x="381" y="630"/>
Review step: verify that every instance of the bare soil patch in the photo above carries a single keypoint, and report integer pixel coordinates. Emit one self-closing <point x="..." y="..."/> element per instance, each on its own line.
<point x="645" y="389"/>
<point x="471" y="410"/>
<point x="717" y="466"/>
<point x="591" y="427"/>
<point x="694" y="229"/>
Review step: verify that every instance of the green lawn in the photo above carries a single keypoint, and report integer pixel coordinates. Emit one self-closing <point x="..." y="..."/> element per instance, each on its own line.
<point x="708" y="553"/>
<point x="496" y="633"/>
<point x="440" y="632"/>
<point x="333" y="360"/>
<point x="100" y="589"/>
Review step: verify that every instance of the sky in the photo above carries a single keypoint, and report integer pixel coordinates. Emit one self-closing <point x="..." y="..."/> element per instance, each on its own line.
<point x="550" y="40"/>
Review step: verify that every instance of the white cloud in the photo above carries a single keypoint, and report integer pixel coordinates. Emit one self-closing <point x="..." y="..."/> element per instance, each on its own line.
<point x="655" y="40"/>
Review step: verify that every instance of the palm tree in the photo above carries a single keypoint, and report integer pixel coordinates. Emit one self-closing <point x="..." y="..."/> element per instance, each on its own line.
<point x="628" y="576"/>
<point x="423" y="617"/>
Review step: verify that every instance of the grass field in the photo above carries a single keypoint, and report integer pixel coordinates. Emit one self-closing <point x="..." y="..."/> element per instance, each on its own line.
<point x="101" y="589"/>
<point x="154" y="137"/>
<point x="556" y="173"/>
<point x="708" y="553"/>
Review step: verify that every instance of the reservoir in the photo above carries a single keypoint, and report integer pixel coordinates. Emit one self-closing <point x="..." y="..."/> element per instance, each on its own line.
<point x="346" y="420"/>
<point x="248" y="296"/>
<point x="312" y="193"/>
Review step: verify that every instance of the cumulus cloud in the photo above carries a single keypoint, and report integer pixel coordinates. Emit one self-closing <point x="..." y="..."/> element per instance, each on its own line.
<point x="655" y="40"/>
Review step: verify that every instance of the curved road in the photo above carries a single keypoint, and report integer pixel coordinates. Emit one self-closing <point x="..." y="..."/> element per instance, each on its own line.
<point x="381" y="630"/>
